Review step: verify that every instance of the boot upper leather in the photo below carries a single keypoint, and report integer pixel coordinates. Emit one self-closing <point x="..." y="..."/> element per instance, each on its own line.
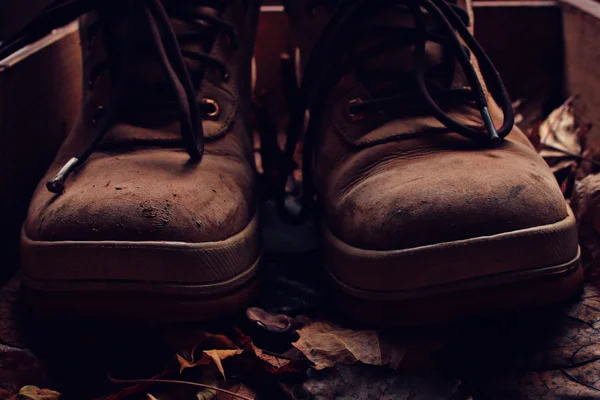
<point x="399" y="179"/>
<point x="140" y="184"/>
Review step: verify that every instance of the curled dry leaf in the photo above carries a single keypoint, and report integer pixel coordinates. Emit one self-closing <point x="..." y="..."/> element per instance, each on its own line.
<point x="35" y="393"/>
<point x="212" y="349"/>
<point x="560" y="134"/>
<point x="271" y="363"/>
<point x="326" y="345"/>
<point x="586" y="206"/>
<point x="219" y="355"/>
<point x="208" y="356"/>
<point x="563" y="141"/>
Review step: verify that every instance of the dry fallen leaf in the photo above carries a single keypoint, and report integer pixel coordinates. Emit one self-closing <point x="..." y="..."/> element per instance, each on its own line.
<point x="219" y="355"/>
<point x="212" y="349"/>
<point x="560" y="133"/>
<point x="35" y="393"/>
<point x="586" y="206"/>
<point x="208" y="356"/>
<point x="269" y="362"/>
<point x="562" y="144"/>
<point x="326" y="345"/>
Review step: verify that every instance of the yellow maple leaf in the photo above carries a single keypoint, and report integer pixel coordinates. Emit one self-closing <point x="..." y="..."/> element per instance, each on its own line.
<point x="208" y="356"/>
<point x="219" y="355"/>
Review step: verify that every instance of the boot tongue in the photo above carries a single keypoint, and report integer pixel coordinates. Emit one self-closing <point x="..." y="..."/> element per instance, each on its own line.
<point x="147" y="95"/>
<point x="390" y="71"/>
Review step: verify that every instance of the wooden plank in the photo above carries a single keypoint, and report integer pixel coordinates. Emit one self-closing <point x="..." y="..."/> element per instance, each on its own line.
<point x="581" y="21"/>
<point x="40" y="97"/>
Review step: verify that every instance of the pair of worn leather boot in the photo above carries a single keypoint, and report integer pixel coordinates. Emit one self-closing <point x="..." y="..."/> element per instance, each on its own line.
<point x="432" y="203"/>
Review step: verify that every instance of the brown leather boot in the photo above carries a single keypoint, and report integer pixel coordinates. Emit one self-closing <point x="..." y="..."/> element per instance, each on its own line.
<point x="149" y="209"/>
<point x="430" y="210"/>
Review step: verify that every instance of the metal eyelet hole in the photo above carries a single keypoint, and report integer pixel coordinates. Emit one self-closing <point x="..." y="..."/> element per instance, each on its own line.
<point x="354" y="117"/>
<point x="232" y="41"/>
<point x="214" y="109"/>
<point x="98" y="114"/>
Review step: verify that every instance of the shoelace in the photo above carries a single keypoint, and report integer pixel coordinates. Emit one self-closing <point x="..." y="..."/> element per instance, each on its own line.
<point x="62" y="12"/>
<point x="323" y="69"/>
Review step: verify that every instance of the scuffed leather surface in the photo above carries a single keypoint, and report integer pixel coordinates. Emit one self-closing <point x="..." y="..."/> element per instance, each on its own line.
<point x="140" y="191"/>
<point x="434" y="189"/>
<point x="149" y="194"/>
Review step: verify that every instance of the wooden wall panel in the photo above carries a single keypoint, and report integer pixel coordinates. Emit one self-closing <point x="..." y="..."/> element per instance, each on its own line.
<point x="40" y="97"/>
<point x="581" y="19"/>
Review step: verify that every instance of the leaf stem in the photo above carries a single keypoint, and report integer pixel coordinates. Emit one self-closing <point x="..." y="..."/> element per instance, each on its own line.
<point x="176" y="382"/>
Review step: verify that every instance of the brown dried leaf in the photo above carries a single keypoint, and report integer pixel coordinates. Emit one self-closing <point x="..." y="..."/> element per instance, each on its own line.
<point x="533" y="134"/>
<point x="208" y="357"/>
<point x="563" y="165"/>
<point x="219" y="355"/>
<point x="560" y="132"/>
<point x="270" y="363"/>
<point x="35" y="393"/>
<point x="214" y="349"/>
<point x="586" y="205"/>
<point x="326" y="345"/>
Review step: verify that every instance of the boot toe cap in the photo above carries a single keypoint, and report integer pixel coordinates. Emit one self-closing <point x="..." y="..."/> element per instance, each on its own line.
<point x="153" y="195"/>
<point x="447" y="197"/>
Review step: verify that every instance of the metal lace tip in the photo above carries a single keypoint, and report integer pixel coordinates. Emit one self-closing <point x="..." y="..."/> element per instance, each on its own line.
<point x="57" y="185"/>
<point x="489" y="124"/>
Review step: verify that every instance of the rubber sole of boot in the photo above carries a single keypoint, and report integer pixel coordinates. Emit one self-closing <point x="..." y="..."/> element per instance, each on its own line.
<point x="152" y="281"/>
<point x="473" y="277"/>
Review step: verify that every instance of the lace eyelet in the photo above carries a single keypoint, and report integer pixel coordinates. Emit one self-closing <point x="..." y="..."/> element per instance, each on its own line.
<point x="354" y="117"/>
<point x="216" y="110"/>
<point x="98" y="114"/>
